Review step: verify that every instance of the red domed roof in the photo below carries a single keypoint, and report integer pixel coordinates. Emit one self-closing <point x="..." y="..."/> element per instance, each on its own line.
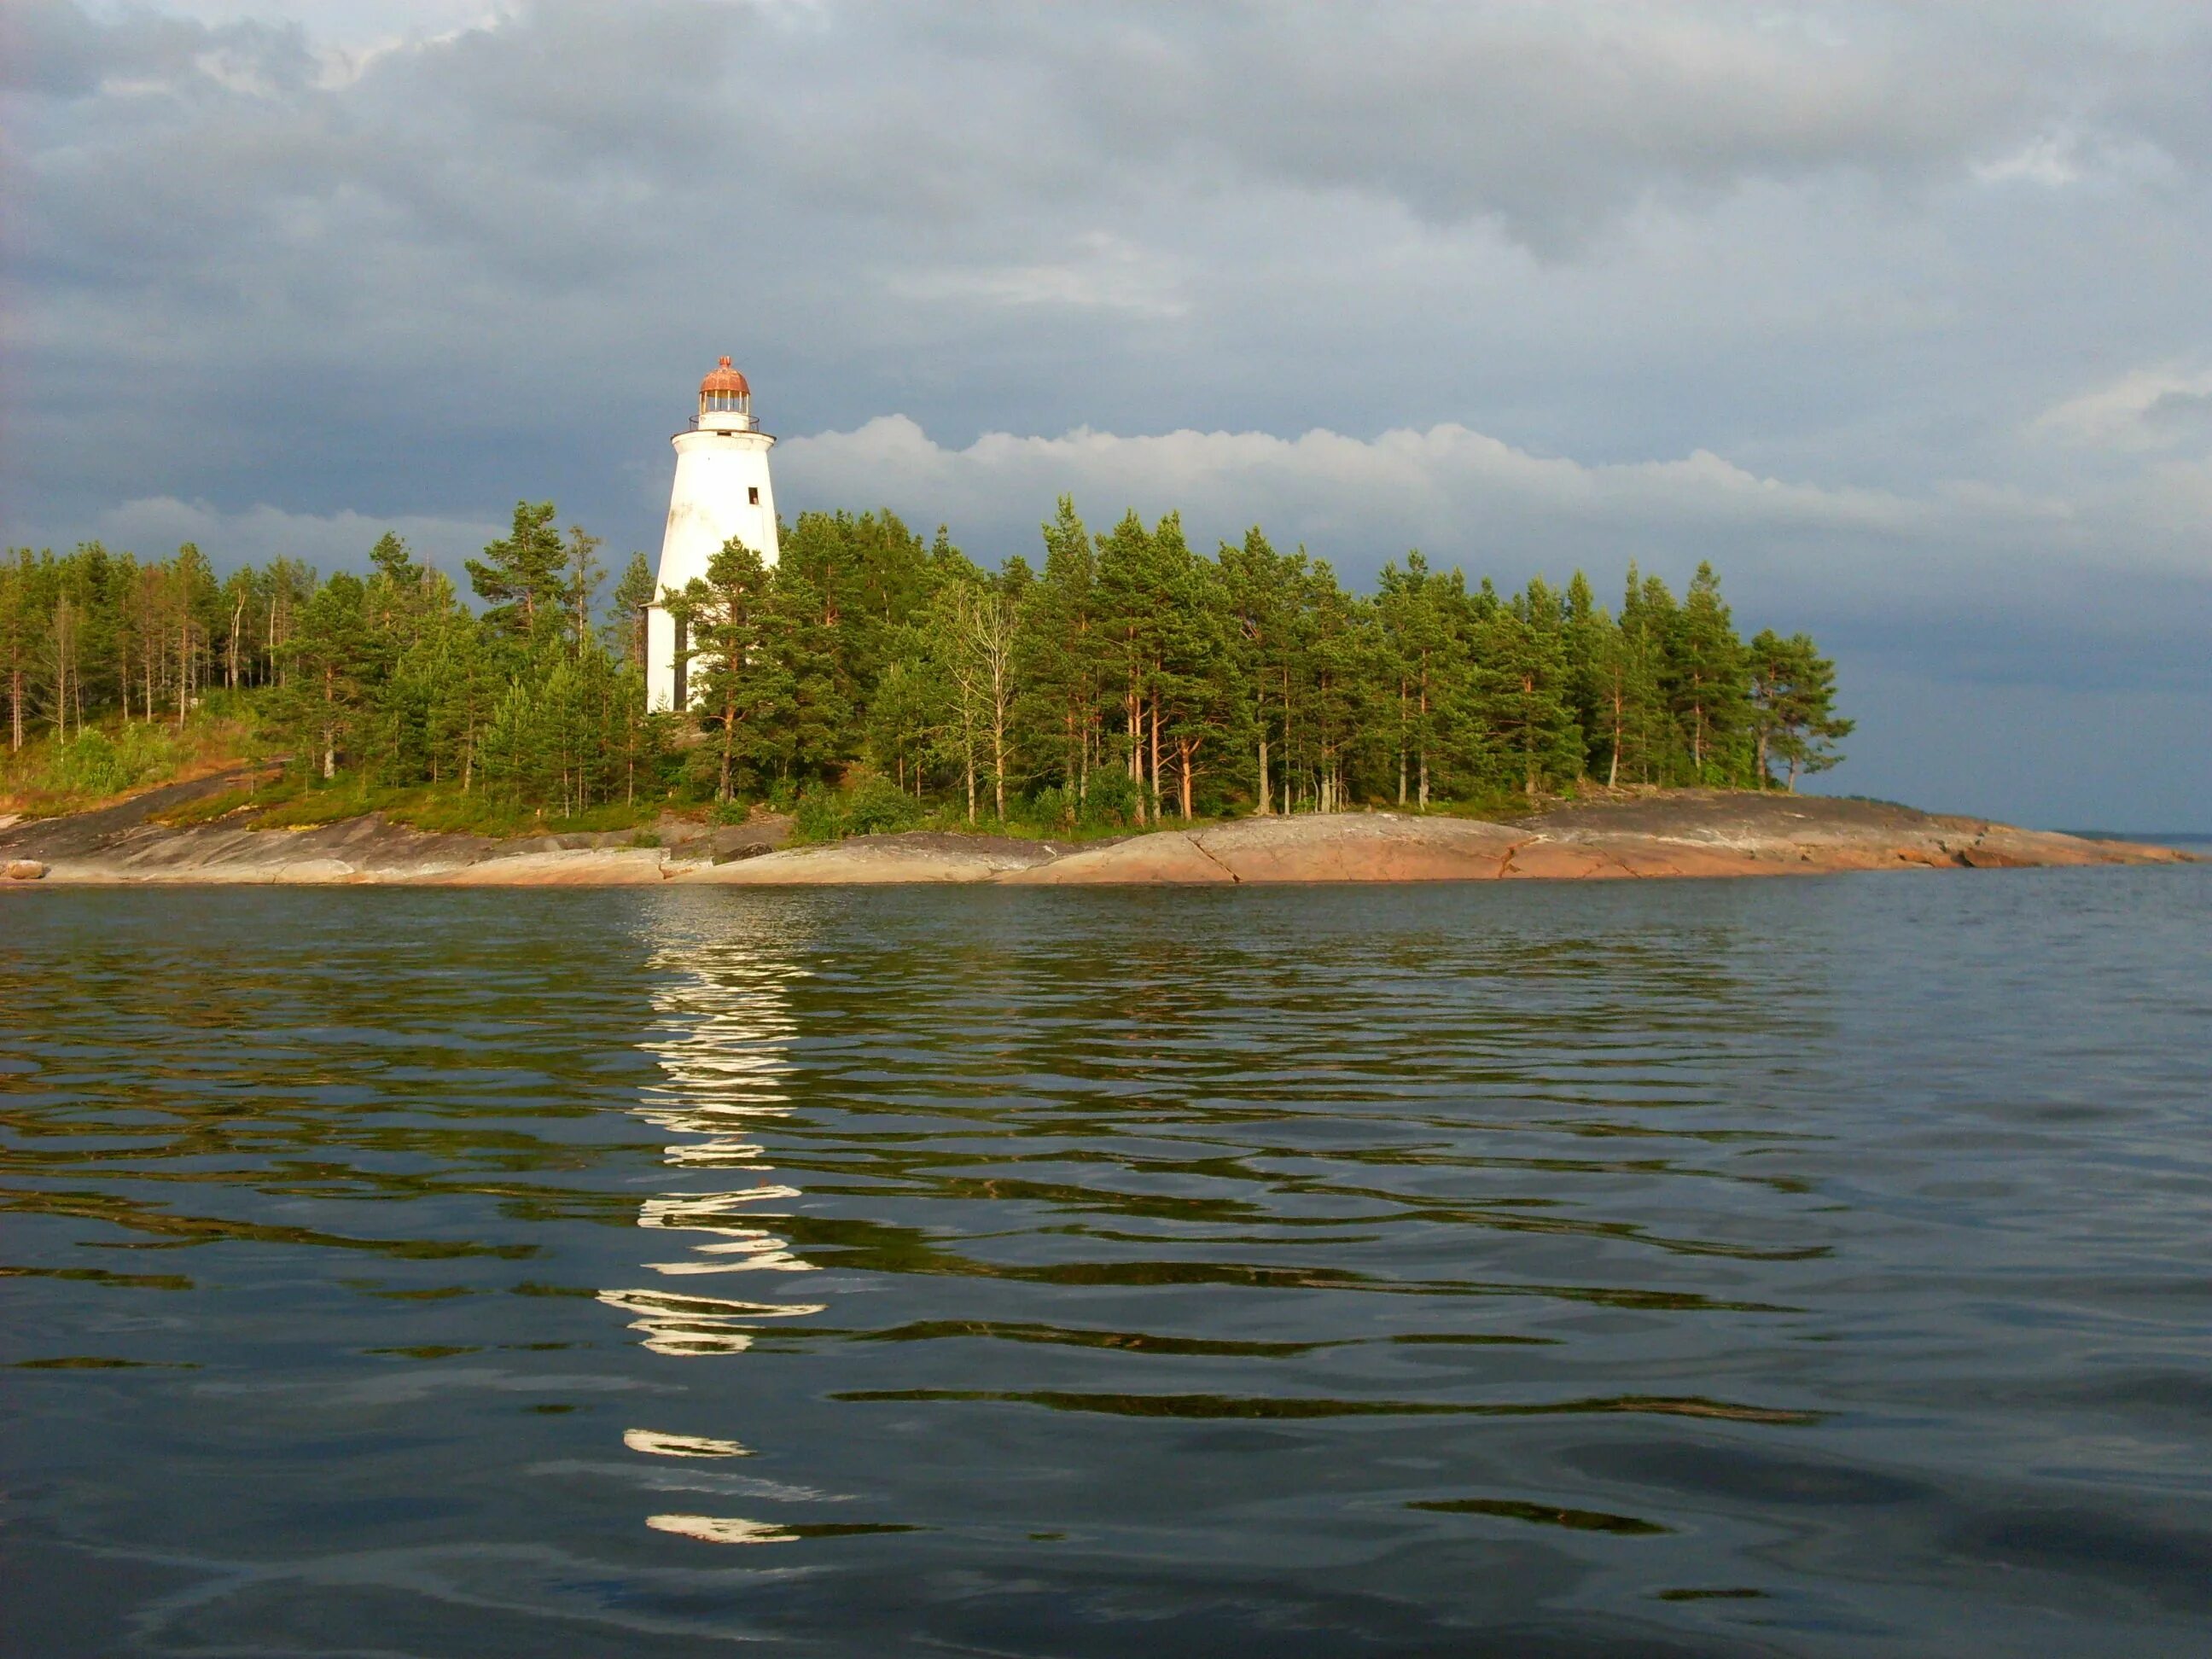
<point x="723" y="378"/>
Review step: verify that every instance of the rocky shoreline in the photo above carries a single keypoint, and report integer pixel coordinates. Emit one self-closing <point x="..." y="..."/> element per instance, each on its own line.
<point x="1686" y="834"/>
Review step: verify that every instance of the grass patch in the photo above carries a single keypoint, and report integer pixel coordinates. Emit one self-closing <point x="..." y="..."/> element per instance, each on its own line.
<point x="206" y="809"/>
<point x="872" y="805"/>
<point x="447" y="811"/>
<point x="116" y="758"/>
<point x="293" y="803"/>
<point x="294" y="808"/>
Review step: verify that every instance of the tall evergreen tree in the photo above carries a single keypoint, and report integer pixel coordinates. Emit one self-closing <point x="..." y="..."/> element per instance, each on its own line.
<point x="1706" y="681"/>
<point x="1528" y="703"/>
<point x="524" y="575"/>
<point x="1058" y="659"/>
<point x="330" y="652"/>
<point x="1792" y="698"/>
<point x="744" y="690"/>
<point x="625" y="631"/>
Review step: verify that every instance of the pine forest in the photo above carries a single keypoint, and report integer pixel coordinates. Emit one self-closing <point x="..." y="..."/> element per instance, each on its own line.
<point x="874" y="680"/>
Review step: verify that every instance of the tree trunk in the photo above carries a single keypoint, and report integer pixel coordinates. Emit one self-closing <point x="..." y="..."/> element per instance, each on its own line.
<point x="729" y="742"/>
<point x="1137" y="745"/>
<point x="1155" y="756"/>
<point x="1267" y="801"/>
<point x="1613" y="771"/>
<point x="1187" y="752"/>
<point x="998" y="723"/>
<point x="1401" y="743"/>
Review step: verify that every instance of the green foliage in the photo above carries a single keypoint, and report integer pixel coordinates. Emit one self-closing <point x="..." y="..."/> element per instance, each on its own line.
<point x="95" y="764"/>
<point x="873" y="681"/>
<point x="1791" y="695"/>
<point x="874" y="807"/>
<point x="525" y="575"/>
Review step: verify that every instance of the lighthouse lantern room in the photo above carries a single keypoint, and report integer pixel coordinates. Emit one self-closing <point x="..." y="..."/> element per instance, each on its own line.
<point x="721" y="492"/>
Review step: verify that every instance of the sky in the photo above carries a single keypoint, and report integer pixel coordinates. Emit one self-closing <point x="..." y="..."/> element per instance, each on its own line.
<point x="1896" y="312"/>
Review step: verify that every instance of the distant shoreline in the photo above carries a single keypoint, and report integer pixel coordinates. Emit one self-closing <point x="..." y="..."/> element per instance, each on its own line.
<point x="1688" y="833"/>
<point x="2175" y="838"/>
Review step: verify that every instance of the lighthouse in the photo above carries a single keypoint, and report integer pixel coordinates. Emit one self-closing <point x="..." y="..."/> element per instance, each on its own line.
<point x="721" y="491"/>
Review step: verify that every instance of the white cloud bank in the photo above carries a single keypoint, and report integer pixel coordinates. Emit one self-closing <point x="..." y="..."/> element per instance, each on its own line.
<point x="2162" y="407"/>
<point x="1838" y="552"/>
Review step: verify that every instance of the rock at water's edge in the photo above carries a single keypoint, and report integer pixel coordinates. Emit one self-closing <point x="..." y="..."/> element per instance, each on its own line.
<point x="1170" y="858"/>
<point x="1362" y="847"/>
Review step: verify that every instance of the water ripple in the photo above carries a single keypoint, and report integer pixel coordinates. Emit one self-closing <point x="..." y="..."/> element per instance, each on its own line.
<point x="1789" y="1268"/>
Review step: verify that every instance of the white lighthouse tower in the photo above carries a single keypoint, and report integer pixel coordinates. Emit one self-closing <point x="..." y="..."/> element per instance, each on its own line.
<point x="721" y="491"/>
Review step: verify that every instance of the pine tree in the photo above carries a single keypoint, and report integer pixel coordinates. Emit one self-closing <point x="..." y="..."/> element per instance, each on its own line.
<point x="1527" y="704"/>
<point x="581" y="585"/>
<point x="744" y="691"/>
<point x="1127" y="590"/>
<point x="625" y="631"/>
<point x="523" y="575"/>
<point x="1338" y="660"/>
<point x="1706" y="684"/>
<point x="804" y="643"/>
<point x="329" y="652"/>
<point x="1260" y="589"/>
<point x="1590" y="640"/>
<point x="1792" y="697"/>
<point x="20" y="615"/>
<point x="1645" y="728"/>
<point x="1057" y="658"/>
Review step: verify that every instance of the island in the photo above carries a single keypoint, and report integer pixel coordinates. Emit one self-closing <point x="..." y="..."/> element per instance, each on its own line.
<point x="850" y="703"/>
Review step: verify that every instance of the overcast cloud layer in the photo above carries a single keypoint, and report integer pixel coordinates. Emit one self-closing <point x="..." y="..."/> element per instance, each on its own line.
<point x="1896" y="312"/>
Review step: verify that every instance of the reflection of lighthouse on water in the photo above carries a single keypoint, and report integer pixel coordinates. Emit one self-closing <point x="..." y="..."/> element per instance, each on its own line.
<point x="722" y="1040"/>
<point x="723" y="1033"/>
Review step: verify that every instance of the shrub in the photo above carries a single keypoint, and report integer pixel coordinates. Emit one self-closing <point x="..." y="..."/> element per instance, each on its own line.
<point x="1111" y="799"/>
<point x="818" y="815"/>
<point x="879" y="807"/>
<point x="1051" y="808"/>
<point x="92" y="763"/>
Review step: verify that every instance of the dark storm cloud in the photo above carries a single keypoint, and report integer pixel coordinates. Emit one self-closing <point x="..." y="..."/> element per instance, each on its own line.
<point x="1893" y="311"/>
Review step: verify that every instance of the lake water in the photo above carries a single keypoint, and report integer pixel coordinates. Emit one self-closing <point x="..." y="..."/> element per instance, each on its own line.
<point x="1811" y="1266"/>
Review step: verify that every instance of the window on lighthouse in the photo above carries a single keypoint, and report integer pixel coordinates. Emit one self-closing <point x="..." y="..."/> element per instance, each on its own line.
<point x="752" y="494"/>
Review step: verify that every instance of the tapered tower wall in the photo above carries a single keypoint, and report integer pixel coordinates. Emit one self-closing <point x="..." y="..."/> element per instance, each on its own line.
<point x="721" y="490"/>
